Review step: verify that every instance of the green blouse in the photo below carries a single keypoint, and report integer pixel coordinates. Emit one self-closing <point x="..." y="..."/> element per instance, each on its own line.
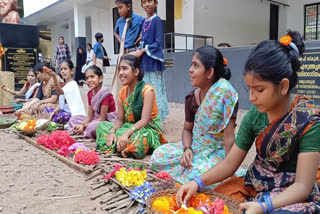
<point x="254" y="121"/>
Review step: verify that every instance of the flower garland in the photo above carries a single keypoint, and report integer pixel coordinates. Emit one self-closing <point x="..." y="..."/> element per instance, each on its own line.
<point x="197" y="204"/>
<point x="165" y="204"/>
<point x="131" y="177"/>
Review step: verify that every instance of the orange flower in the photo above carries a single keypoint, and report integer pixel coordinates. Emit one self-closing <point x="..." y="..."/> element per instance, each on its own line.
<point x="225" y="61"/>
<point x="286" y="40"/>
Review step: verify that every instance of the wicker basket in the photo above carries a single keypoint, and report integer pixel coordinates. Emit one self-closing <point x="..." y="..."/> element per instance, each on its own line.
<point x="11" y="119"/>
<point x="45" y="116"/>
<point x="29" y="132"/>
<point x="44" y="126"/>
<point x="232" y="204"/>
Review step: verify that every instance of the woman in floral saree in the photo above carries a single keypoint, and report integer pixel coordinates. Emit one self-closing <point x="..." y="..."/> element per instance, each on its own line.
<point x="47" y="96"/>
<point x="137" y="130"/>
<point x="210" y="114"/>
<point x="282" y="177"/>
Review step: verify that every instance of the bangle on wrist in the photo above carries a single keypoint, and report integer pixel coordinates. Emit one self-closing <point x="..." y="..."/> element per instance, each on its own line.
<point x="200" y="183"/>
<point x="84" y="126"/>
<point x="262" y="206"/>
<point x="133" y="129"/>
<point x="268" y="202"/>
<point x="186" y="148"/>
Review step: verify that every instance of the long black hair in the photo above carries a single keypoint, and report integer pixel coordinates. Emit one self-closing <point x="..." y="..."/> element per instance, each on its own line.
<point x="211" y="57"/>
<point x="40" y="65"/>
<point x="273" y="61"/>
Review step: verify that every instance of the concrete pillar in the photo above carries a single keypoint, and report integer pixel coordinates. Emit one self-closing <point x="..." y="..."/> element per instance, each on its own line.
<point x="79" y="27"/>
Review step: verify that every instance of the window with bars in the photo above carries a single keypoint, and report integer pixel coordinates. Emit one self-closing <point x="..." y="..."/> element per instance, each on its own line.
<point x="311" y="22"/>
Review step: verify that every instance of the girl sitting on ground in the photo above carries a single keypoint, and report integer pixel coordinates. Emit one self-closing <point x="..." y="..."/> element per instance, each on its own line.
<point x="210" y="115"/>
<point x="137" y="130"/>
<point x="47" y="96"/>
<point x="282" y="177"/>
<point x="70" y="101"/>
<point x="101" y="106"/>
<point x="29" y="90"/>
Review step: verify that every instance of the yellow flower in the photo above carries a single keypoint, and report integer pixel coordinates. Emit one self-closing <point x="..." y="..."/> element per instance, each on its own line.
<point x="131" y="178"/>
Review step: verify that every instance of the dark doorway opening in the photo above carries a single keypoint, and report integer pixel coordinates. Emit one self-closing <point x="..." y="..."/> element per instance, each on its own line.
<point x="274" y="22"/>
<point x="168" y="25"/>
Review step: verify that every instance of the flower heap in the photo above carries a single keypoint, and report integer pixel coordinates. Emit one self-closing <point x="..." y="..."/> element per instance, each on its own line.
<point x="131" y="177"/>
<point x="28" y="126"/>
<point x="86" y="157"/>
<point x="57" y="140"/>
<point x="142" y="193"/>
<point x="198" y="204"/>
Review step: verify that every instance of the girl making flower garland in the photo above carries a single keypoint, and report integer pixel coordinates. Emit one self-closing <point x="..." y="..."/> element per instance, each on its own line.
<point x="101" y="106"/>
<point x="282" y="177"/>
<point x="137" y="130"/>
<point x="151" y="55"/>
<point x="210" y="115"/>
<point x="70" y="101"/>
<point x="47" y="96"/>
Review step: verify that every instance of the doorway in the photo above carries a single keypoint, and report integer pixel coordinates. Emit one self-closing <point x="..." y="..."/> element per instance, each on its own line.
<point x="274" y="22"/>
<point x="168" y="25"/>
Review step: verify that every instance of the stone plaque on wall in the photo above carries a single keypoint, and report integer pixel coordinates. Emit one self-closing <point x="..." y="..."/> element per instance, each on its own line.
<point x="20" y="61"/>
<point x="309" y="76"/>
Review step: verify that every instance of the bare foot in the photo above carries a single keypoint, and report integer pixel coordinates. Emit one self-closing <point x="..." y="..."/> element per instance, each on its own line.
<point x="124" y="154"/>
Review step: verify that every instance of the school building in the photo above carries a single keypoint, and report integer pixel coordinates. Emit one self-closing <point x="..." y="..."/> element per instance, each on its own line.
<point x="236" y="23"/>
<point x="188" y="24"/>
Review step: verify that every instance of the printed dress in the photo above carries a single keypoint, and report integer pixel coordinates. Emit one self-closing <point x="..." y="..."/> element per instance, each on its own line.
<point x="274" y="167"/>
<point x="152" y="62"/>
<point x="143" y="141"/>
<point x="211" y="119"/>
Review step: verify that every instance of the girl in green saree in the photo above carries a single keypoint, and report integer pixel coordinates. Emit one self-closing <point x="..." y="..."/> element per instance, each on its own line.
<point x="137" y="130"/>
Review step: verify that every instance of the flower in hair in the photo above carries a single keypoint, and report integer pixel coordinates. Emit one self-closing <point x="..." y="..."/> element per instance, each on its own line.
<point x="225" y="61"/>
<point x="286" y="40"/>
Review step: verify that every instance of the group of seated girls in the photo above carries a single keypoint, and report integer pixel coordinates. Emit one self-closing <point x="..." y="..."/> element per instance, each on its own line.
<point x="285" y="128"/>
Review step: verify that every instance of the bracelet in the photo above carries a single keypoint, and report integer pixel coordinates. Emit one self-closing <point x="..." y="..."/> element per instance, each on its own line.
<point x="84" y="126"/>
<point x="269" y="203"/>
<point x="133" y="129"/>
<point x="263" y="208"/>
<point x="186" y="148"/>
<point x="200" y="183"/>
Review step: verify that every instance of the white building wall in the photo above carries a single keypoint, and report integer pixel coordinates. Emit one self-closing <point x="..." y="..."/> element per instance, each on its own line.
<point x="186" y="24"/>
<point x="32" y="6"/>
<point x="236" y="22"/>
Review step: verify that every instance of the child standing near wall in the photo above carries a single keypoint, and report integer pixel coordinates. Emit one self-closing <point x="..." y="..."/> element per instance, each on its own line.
<point x="98" y="55"/>
<point x="151" y="55"/>
<point x="128" y="33"/>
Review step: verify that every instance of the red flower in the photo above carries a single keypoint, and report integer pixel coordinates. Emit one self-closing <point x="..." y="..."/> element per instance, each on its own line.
<point x="64" y="151"/>
<point x="164" y="175"/>
<point x="87" y="157"/>
<point x="117" y="167"/>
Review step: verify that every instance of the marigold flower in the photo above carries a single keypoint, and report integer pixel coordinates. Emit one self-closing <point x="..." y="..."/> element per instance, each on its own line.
<point x="225" y="61"/>
<point x="286" y="40"/>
